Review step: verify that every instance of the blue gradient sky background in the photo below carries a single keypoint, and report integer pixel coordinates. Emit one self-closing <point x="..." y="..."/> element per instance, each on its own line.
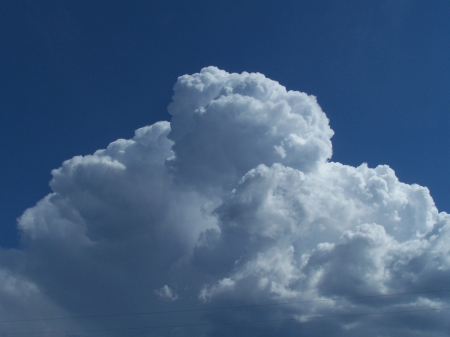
<point x="75" y="76"/>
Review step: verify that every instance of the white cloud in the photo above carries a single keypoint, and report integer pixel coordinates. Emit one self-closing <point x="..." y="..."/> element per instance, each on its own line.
<point x="166" y="293"/>
<point x="226" y="124"/>
<point x="232" y="203"/>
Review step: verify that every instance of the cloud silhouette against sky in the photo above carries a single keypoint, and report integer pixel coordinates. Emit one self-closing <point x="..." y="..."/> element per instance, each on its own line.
<point x="233" y="202"/>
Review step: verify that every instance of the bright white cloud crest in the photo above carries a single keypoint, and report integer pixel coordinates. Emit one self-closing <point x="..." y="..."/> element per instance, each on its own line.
<point x="234" y="202"/>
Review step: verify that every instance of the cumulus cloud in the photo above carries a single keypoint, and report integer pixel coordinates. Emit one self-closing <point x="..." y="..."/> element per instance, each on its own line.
<point x="232" y="203"/>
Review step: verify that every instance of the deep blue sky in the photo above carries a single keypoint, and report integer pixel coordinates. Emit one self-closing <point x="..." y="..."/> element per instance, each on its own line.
<point x="76" y="75"/>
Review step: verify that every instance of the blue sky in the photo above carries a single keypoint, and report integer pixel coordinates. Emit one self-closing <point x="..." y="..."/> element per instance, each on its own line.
<point x="164" y="220"/>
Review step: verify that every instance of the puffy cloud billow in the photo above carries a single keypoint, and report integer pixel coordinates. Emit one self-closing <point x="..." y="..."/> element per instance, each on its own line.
<point x="232" y="203"/>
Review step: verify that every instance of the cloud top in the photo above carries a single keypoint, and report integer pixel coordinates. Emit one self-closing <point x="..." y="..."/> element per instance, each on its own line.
<point x="225" y="124"/>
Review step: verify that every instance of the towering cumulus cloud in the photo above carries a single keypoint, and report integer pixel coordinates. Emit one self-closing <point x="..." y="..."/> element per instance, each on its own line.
<point x="235" y="205"/>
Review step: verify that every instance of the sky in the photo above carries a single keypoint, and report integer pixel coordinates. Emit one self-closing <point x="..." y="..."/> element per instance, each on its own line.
<point x="225" y="154"/>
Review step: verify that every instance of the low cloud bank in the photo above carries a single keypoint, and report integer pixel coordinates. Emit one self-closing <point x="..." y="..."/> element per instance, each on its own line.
<point x="234" y="202"/>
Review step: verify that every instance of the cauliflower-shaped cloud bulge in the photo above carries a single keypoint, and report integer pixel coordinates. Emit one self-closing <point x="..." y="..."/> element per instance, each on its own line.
<point x="234" y="203"/>
<point x="224" y="124"/>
